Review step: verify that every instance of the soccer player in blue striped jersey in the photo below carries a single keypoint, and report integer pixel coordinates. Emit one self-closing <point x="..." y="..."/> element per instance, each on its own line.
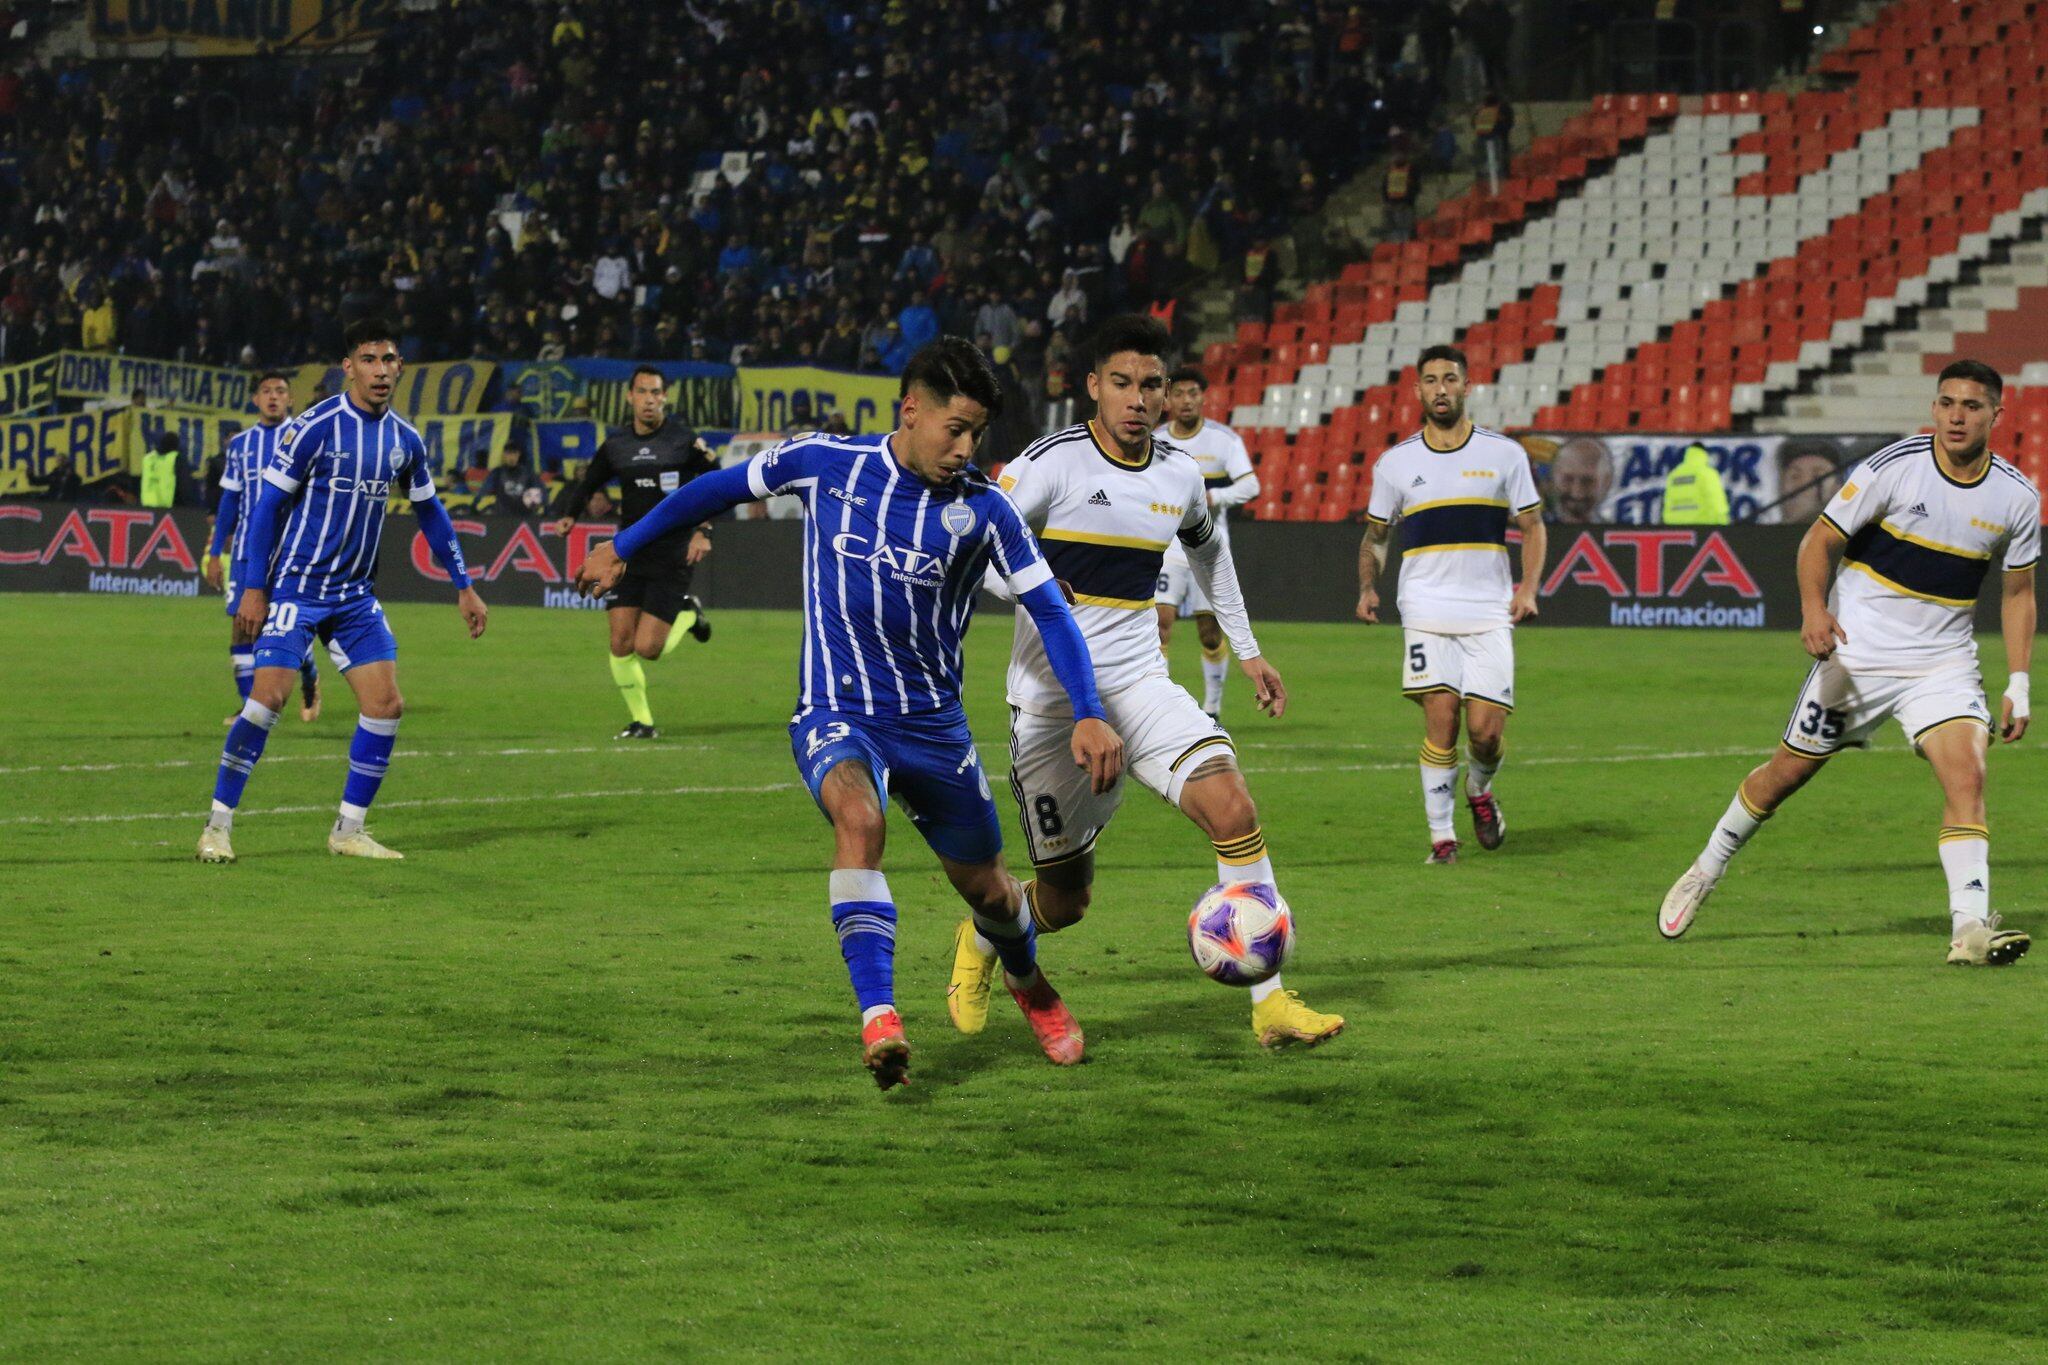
<point x="335" y="465"/>
<point x="247" y="452"/>
<point x="898" y="530"/>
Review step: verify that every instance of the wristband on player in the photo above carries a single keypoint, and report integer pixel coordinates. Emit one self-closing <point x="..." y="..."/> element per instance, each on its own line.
<point x="2016" y="693"/>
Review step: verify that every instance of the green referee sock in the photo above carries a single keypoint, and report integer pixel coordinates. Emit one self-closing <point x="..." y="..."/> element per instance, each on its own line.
<point x="677" y="629"/>
<point x="632" y="681"/>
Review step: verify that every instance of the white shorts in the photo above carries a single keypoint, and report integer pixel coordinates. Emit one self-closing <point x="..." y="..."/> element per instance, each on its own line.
<point x="1477" y="667"/>
<point x="1840" y="710"/>
<point x="1166" y="737"/>
<point x="1178" y="589"/>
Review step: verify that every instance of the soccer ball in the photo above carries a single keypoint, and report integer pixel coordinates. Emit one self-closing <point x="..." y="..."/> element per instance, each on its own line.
<point x="1241" y="933"/>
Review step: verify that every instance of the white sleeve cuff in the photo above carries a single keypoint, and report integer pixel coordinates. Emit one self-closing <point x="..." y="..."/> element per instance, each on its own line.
<point x="757" y="480"/>
<point x="277" y="480"/>
<point x="1024" y="580"/>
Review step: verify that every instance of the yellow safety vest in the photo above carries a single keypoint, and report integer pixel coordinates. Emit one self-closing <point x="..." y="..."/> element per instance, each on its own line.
<point x="160" y="478"/>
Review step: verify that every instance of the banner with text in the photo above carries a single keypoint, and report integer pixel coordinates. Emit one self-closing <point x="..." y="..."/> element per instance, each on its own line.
<point x="97" y="444"/>
<point x="1618" y="478"/>
<point x="433" y="388"/>
<point x="239" y="28"/>
<point x="700" y="394"/>
<point x="25" y="389"/>
<point x="801" y="397"/>
<point x="163" y="383"/>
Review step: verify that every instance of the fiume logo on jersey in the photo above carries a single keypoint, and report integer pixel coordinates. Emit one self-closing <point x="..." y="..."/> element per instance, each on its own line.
<point x="957" y="518"/>
<point x="903" y="564"/>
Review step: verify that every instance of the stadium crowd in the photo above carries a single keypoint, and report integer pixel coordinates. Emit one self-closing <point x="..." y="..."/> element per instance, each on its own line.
<point x="828" y="181"/>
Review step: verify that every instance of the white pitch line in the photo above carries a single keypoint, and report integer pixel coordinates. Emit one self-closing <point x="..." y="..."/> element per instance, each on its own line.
<point x="417" y="802"/>
<point x="342" y="757"/>
<point x="404" y="804"/>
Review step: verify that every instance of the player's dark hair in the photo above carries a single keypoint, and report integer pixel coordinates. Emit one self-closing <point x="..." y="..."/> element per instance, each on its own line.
<point x="1188" y="374"/>
<point x="1450" y="353"/>
<point x="365" y="330"/>
<point x="1139" y="332"/>
<point x="1976" y="372"/>
<point x="639" y="370"/>
<point x="954" y="367"/>
<point x="269" y="375"/>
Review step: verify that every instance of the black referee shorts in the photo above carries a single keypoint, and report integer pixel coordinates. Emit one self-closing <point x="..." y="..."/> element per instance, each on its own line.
<point x="656" y="589"/>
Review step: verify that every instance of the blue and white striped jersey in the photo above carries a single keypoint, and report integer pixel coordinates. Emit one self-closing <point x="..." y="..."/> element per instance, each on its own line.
<point x="340" y="464"/>
<point x="891" y="568"/>
<point x="246" y="455"/>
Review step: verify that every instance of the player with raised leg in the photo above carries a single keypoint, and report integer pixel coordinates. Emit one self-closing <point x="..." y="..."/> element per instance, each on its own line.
<point x="651" y="609"/>
<point x="898" y="531"/>
<point x="1106" y="496"/>
<point x="1918" y="526"/>
<point x="335" y="465"/>
<point x="247" y="452"/>
<point x="1454" y="487"/>
<point x="1229" y="481"/>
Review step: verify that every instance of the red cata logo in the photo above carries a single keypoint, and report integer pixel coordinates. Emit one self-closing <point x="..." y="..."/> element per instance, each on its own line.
<point x="134" y="538"/>
<point x="1591" y="563"/>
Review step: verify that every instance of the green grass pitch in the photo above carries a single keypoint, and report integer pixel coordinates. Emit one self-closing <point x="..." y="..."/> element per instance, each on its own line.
<point x="580" y="1078"/>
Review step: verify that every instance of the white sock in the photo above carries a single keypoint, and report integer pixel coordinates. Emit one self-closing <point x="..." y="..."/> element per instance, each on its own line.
<point x="1479" y="776"/>
<point x="1259" y="869"/>
<point x="874" y="1012"/>
<point x="222" y="817"/>
<point x="1966" y="859"/>
<point x="351" y="818"/>
<point x="1738" y="822"/>
<point x="1214" y="671"/>
<point x="1265" y="988"/>
<point x="1439" y="770"/>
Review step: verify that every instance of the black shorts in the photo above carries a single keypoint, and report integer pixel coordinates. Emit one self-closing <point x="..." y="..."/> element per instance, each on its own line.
<point x="656" y="589"/>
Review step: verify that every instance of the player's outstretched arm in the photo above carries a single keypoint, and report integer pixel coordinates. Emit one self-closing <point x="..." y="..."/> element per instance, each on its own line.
<point x="1819" y="631"/>
<point x="1096" y="746"/>
<point x="698" y="500"/>
<point x="1535" y="549"/>
<point x="2016" y="612"/>
<point x="442" y="540"/>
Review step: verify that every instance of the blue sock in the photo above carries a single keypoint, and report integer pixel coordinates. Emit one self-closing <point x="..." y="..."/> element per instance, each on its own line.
<point x="238" y="756"/>
<point x="244" y="659"/>
<point x="1015" y="940"/>
<point x="866" y="920"/>
<point x="369" y="755"/>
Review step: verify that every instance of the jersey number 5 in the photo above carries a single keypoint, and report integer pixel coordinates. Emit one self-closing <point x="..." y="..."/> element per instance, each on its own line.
<point x="1418" y="661"/>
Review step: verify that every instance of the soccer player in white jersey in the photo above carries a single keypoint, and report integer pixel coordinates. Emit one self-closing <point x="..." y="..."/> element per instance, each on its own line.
<point x="334" y="469"/>
<point x="1918" y="526"/>
<point x="1229" y="481"/>
<point x="1454" y="487"/>
<point x="247" y="452"/>
<point x="1105" y="498"/>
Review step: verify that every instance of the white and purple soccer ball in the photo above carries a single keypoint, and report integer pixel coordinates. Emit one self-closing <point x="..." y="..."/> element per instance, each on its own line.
<point x="1241" y="933"/>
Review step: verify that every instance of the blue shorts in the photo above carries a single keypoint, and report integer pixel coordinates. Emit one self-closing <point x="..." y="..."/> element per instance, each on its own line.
<point x="927" y="763"/>
<point x="353" y="631"/>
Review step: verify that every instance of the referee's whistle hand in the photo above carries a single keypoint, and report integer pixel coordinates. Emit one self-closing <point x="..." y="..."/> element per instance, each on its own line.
<point x="1098" y="749"/>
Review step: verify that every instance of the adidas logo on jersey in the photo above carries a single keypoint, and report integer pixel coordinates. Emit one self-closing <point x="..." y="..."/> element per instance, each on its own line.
<point x="1974" y="884"/>
<point x="1101" y="499"/>
<point x="1918" y="509"/>
<point x="1419" y="481"/>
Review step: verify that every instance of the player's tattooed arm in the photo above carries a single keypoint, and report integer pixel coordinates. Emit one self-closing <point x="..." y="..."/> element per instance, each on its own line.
<point x="1372" y="561"/>
<point x="1819" y="631"/>
<point x="1535" y="547"/>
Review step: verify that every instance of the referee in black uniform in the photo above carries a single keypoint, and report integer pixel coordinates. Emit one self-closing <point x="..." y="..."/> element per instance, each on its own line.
<point x="651" y="459"/>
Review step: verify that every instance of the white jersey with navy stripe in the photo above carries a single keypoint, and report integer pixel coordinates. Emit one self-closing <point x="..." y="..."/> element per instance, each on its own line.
<point x="244" y="458"/>
<point x="340" y="464"/>
<point x="1454" y="507"/>
<point x="1919" y="546"/>
<point x="892" y="566"/>
<point x="1104" y="523"/>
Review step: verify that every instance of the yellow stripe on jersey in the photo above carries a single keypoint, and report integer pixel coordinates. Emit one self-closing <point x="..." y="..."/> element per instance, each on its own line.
<point x="1098" y="538"/>
<point x="1934" y="544"/>
<point x="1453" y="502"/>
<point x="1082" y="599"/>
<point x="1459" y="545"/>
<point x="1904" y="591"/>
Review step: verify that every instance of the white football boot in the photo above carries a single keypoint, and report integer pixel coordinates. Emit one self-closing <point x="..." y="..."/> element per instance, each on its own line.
<point x="215" y="845"/>
<point x="1683" y="901"/>
<point x="359" y="845"/>
<point x="1984" y="944"/>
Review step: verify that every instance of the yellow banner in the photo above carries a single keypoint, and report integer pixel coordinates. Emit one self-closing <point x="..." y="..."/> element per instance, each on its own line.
<point x="32" y="447"/>
<point x="240" y="28"/>
<point x="438" y="388"/>
<point x="165" y="383"/>
<point x="771" y="399"/>
<point x="24" y="388"/>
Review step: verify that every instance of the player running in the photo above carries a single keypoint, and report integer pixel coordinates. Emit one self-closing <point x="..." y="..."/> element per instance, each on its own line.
<point x="247" y="452"/>
<point x="1228" y="477"/>
<point x="651" y="459"/>
<point x="1454" y="487"/>
<point x="1918" y="525"/>
<point x="335" y="465"/>
<point x="1106" y="497"/>
<point x="898" y="530"/>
